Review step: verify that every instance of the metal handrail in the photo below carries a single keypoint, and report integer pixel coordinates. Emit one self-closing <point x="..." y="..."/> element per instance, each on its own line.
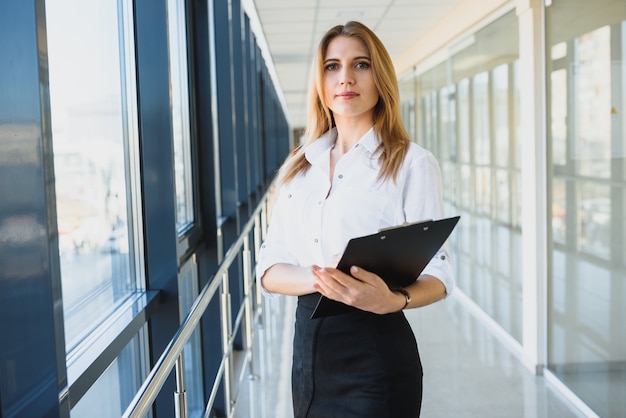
<point x="172" y="355"/>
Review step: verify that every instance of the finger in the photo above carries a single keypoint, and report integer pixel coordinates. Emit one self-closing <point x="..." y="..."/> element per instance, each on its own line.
<point x="338" y="276"/>
<point x="323" y="289"/>
<point x="328" y="281"/>
<point x="328" y="285"/>
<point x="364" y="275"/>
<point x="321" y="286"/>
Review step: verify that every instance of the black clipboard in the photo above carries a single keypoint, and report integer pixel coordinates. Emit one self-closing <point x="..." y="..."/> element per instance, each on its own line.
<point x="398" y="255"/>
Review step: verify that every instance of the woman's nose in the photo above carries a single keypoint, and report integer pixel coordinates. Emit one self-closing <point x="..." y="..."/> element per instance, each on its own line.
<point x="347" y="77"/>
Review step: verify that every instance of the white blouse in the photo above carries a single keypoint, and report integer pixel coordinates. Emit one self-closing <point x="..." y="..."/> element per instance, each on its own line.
<point x="314" y="218"/>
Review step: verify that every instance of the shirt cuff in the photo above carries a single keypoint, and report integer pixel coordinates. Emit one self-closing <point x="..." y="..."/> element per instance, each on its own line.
<point x="267" y="260"/>
<point x="441" y="268"/>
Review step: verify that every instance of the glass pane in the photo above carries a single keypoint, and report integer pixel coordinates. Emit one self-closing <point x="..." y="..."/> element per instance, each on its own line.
<point x="483" y="190"/>
<point x="587" y="295"/>
<point x="450" y="182"/>
<point x="115" y="388"/>
<point x="558" y="113"/>
<point x="558" y="51"/>
<point x="592" y="77"/>
<point x="559" y="212"/>
<point x="464" y="121"/>
<point x="478" y="89"/>
<point x="433" y="139"/>
<point x="480" y="107"/>
<point x="447" y="114"/>
<point x="407" y="97"/>
<point x="428" y="130"/>
<point x="516" y="193"/>
<point x="594" y="219"/>
<point x="89" y="131"/>
<point x="466" y="187"/>
<point x="177" y="42"/>
<point x="422" y="119"/>
<point x="503" y="196"/>
<point x="500" y="88"/>
<point x="516" y="142"/>
<point x="408" y="117"/>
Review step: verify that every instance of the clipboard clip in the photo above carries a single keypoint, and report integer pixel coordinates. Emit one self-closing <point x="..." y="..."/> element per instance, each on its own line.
<point x="391" y="228"/>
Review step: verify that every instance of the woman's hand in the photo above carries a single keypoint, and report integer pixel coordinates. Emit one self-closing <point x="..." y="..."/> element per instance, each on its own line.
<point x="362" y="289"/>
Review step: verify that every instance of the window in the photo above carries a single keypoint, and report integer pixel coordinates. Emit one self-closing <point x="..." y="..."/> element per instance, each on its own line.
<point x="114" y="390"/>
<point x="98" y="206"/>
<point x="587" y="192"/>
<point x="592" y="136"/>
<point x="501" y="107"/>
<point x="464" y="121"/>
<point x="179" y="85"/>
<point x="94" y="140"/>
<point x="476" y="130"/>
<point x="480" y="108"/>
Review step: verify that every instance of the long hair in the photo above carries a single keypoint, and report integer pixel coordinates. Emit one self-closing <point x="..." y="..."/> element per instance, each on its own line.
<point x="387" y="119"/>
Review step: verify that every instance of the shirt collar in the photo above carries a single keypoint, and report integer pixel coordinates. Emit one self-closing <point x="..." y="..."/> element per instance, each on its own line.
<point x="370" y="140"/>
<point x="322" y="145"/>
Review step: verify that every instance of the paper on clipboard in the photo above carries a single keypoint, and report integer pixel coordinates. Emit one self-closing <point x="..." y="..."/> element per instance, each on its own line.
<point x="398" y="255"/>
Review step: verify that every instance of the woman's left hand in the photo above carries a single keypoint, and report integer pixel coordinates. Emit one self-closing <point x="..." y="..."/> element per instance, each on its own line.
<point x="362" y="289"/>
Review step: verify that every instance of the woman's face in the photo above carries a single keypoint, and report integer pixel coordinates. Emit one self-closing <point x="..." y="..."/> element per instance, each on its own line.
<point x="349" y="89"/>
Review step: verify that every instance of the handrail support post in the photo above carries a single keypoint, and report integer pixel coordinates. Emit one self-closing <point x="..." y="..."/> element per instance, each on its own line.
<point x="180" y="399"/>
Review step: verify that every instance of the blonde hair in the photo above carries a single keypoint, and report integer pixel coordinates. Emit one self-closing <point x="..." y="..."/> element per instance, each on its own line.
<point x="387" y="120"/>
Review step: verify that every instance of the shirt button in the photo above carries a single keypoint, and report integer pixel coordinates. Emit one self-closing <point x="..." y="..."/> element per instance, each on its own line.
<point x="315" y="240"/>
<point x="340" y="176"/>
<point x="356" y="145"/>
<point x="443" y="257"/>
<point x="289" y="196"/>
<point x="319" y="202"/>
<point x="263" y="246"/>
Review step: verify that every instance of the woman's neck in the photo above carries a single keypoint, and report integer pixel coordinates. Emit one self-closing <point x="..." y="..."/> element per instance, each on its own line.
<point x="349" y="134"/>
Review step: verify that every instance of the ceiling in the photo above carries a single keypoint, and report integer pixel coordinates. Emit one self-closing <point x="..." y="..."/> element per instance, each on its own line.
<point x="292" y="29"/>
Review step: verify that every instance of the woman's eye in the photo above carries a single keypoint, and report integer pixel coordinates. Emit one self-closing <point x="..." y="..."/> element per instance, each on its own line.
<point x="362" y="65"/>
<point x="331" y="67"/>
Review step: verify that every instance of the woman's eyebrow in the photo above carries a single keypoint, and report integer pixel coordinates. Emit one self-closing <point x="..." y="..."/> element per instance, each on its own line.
<point x="364" y="57"/>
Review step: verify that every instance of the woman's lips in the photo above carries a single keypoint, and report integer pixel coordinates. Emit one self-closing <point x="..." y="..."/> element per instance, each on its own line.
<point x="347" y="94"/>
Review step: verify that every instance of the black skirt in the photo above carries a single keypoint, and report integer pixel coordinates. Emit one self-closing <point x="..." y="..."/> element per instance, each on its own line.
<point x="355" y="365"/>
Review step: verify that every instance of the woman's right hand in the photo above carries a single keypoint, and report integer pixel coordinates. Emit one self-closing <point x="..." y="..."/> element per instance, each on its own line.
<point x="361" y="289"/>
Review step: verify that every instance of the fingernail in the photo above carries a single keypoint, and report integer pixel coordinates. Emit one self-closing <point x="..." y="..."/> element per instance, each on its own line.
<point x="354" y="269"/>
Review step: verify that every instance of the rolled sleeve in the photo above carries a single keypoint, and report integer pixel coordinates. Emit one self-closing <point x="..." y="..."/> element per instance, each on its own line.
<point x="269" y="255"/>
<point x="440" y="266"/>
<point x="274" y="249"/>
<point x="423" y="199"/>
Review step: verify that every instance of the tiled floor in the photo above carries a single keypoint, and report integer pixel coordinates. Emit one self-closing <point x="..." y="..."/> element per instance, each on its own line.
<point x="470" y="373"/>
<point x="467" y="371"/>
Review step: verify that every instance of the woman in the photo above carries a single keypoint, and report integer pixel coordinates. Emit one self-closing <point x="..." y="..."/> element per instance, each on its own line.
<point x="358" y="172"/>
